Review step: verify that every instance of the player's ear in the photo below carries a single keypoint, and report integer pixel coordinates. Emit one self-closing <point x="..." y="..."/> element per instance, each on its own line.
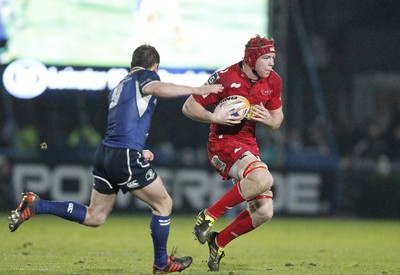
<point x="155" y="67"/>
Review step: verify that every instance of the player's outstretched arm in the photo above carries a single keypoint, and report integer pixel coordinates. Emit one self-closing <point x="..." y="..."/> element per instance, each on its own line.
<point x="165" y="89"/>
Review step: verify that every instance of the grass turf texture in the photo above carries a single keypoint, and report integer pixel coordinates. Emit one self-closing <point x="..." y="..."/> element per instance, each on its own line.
<point x="48" y="245"/>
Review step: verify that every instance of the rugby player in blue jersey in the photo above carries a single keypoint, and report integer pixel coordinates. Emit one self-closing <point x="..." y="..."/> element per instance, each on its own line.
<point x="121" y="161"/>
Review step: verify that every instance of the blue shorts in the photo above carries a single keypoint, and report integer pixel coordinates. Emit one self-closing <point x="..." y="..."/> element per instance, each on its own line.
<point x="117" y="169"/>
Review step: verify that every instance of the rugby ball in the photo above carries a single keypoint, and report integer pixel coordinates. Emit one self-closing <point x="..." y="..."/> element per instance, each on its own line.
<point x="236" y="102"/>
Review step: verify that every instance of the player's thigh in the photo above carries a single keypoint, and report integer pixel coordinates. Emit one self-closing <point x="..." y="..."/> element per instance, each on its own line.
<point x="156" y="196"/>
<point x="241" y="164"/>
<point x="254" y="170"/>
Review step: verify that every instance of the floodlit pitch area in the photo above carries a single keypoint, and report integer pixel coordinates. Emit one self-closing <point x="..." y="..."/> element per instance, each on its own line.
<point x="48" y="245"/>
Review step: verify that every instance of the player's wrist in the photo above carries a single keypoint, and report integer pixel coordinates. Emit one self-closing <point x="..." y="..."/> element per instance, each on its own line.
<point x="211" y="117"/>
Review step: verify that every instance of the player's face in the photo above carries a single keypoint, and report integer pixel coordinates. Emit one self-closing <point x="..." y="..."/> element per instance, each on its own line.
<point x="264" y="64"/>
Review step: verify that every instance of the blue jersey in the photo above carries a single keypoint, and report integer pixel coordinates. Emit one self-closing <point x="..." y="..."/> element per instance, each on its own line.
<point x="130" y="111"/>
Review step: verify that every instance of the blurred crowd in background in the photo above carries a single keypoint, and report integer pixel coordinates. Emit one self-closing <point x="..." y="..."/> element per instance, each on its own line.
<point x="73" y="125"/>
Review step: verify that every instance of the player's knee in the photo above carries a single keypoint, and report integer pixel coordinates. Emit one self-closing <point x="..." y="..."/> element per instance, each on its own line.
<point x="263" y="180"/>
<point x="262" y="215"/>
<point x="97" y="223"/>
<point x="267" y="214"/>
<point x="267" y="181"/>
<point x="168" y="203"/>
<point x="95" y="219"/>
<point x="164" y="206"/>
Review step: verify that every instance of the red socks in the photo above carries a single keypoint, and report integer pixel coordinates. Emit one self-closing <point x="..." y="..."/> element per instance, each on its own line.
<point x="229" y="200"/>
<point x="241" y="225"/>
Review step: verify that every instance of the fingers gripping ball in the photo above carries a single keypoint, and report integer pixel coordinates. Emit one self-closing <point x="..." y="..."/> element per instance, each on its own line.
<point x="238" y="103"/>
<point x="250" y="114"/>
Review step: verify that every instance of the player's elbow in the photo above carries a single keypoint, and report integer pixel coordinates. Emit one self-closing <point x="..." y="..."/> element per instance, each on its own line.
<point x="186" y="108"/>
<point x="274" y="126"/>
<point x="277" y="122"/>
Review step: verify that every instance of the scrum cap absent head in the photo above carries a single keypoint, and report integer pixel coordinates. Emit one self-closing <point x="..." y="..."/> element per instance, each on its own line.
<point x="257" y="47"/>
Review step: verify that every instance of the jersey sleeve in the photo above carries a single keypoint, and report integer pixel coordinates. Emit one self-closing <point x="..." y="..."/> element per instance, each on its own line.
<point x="209" y="99"/>
<point x="276" y="100"/>
<point x="145" y="77"/>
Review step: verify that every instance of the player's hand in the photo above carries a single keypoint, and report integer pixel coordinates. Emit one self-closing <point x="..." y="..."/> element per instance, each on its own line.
<point x="148" y="155"/>
<point x="223" y="116"/>
<point x="209" y="89"/>
<point x="261" y="114"/>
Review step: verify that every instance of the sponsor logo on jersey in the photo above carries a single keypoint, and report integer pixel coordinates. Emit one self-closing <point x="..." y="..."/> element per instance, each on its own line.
<point x="150" y="175"/>
<point x="219" y="164"/>
<point x="237" y="149"/>
<point x="235" y="85"/>
<point x="132" y="184"/>
<point x="214" y="77"/>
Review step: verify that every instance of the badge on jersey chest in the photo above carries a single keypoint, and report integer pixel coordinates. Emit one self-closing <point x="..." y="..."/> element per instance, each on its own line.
<point x="214" y="77"/>
<point x="266" y="92"/>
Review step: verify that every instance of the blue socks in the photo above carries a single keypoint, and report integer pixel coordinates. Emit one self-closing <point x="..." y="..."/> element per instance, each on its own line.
<point x="159" y="230"/>
<point x="73" y="211"/>
<point x="68" y="210"/>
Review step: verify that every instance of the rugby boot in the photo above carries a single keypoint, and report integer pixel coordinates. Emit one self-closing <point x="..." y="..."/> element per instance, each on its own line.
<point x="216" y="253"/>
<point x="173" y="264"/>
<point x="24" y="212"/>
<point x="203" y="225"/>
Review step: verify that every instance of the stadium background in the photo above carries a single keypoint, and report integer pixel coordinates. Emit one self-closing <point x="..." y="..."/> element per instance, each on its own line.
<point x="337" y="153"/>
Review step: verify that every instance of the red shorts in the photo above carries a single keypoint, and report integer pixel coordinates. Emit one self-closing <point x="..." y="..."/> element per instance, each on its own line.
<point x="224" y="152"/>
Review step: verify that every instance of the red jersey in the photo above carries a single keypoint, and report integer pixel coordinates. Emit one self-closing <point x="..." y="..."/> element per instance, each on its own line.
<point x="266" y="91"/>
<point x="226" y="144"/>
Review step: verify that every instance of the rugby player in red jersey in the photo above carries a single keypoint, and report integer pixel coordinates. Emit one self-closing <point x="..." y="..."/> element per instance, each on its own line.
<point x="232" y="146"/>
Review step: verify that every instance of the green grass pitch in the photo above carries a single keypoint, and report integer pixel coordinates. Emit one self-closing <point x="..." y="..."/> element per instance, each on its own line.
<point x="49" y="245"/>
